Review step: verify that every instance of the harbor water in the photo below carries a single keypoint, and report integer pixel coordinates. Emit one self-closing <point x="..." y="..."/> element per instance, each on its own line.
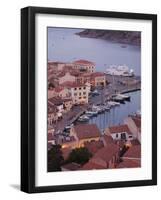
<point x="117" y="114"/>
<point x="65" y="46"/>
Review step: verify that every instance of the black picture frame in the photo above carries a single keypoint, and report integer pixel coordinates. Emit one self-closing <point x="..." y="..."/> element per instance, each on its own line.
<point x="28" y="98"/>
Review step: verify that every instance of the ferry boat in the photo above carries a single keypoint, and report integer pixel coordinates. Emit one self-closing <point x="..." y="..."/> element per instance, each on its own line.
<point x="120" y="70"/>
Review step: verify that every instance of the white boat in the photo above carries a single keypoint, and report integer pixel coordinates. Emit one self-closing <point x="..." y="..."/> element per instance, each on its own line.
<point x="120" y="70"/>
<point x="83" y="118"/>
<point x="124" y="97"/>
<point x="69" y="127"/>
<point x="113" y="103"/>
<point x="93" y="113"/>
<point x="118" y="98"/>
<point x="95" y="92"/>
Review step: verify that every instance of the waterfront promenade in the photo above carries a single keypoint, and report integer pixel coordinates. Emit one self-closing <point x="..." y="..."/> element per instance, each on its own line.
<point x="116" y="84"/>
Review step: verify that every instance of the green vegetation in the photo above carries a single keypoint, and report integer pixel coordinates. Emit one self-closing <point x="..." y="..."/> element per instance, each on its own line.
<point x="55" y="158"/>
<point x="79" y="155"/>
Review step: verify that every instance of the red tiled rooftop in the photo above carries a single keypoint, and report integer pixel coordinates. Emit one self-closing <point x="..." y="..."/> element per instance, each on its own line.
<point x="51" y="109"/>
<point x="66" y="99"/>
<point x="106" y="153"/>
<point x="71" y="166"/>
<point x="84" y="131"/>
<point x="119" y="129"/>
<point x="85" y="62"/>
<point x="72" y="84"/>
<point x="133" y="152"/>
<point x="97" y="74"/>
<point x="94" y="146"/>
<point x="59" y="89"/>
<point x="90" y="165"/>
<point x="107" y="139"/>
<point x="55" y="101"/>
<point x="129" y="164"/>
<point x="135" y="142"/>
<point x="137" y="121"/>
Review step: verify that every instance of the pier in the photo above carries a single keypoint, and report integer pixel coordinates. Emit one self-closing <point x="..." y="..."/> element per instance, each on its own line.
<point x="116" y="84"/>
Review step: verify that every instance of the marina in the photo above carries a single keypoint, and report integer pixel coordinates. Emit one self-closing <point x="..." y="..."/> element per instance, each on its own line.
<point x="94" y="99"/>
<point x="116" y="112"/>
<point x="110" y="104"/>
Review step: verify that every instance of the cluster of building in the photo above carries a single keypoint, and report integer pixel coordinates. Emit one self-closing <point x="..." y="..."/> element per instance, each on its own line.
<point x="69" y="84"/>
<point x="118" y="147"/>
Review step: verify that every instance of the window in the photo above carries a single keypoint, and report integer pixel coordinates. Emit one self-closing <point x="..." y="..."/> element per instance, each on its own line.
<point x="116" y="135"/>
<point x="80" y="94"/>
<point x="123" y="136"/>
<point x="80" y="88"/>
<point x="84" y="93"/>
<point x="75" y="88"/>
<point x="75" y="94"/>
<point x="84" y="88"/>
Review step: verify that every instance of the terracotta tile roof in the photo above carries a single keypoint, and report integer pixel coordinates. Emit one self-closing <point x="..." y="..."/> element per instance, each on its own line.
<point x="84" y="62"/>
<point x="55" y="101"/>
<point x="94" y="146"/>
<point x="137" y="121"/>
<point x="106" y="153"/>
<point x="51" y="109"/>
<point x="90" y="165"/>
<point x="133" y="152"/>
<point x="70" y="84"/>
<point x="135" y="142"/>
<point x="59" y="89"/>
<point x="129" y="164"/>
<point x="71" y="166"/>
<point x="97" y="74"/>
<point x="86" y="75"/>
<point x="119" y="129"/>
<point x="84" y="131"/>
<point x="66" y="99"/>
<point x="61" y="74"/>
<point x="107" y="139"/>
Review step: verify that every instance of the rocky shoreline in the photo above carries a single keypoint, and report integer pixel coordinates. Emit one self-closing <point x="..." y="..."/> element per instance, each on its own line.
<point x="124" y="37"/>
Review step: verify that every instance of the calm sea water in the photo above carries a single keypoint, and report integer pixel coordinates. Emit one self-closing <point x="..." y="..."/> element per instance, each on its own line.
<point x="117" y="114"/>
<point x="64" y="45"/>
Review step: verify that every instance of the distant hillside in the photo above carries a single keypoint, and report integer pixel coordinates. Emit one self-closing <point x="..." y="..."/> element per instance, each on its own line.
<point x="125" y="37"/>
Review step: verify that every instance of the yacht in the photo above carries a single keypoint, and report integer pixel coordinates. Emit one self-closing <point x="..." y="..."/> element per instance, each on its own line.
<point x="125" y="97"/>
<point x="120" y="70"/>
<point x="83" y="118"/>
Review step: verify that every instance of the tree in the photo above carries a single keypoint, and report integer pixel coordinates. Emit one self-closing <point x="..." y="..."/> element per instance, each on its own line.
<point x="79" y="155"/>
<point x="55" y="158"/>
